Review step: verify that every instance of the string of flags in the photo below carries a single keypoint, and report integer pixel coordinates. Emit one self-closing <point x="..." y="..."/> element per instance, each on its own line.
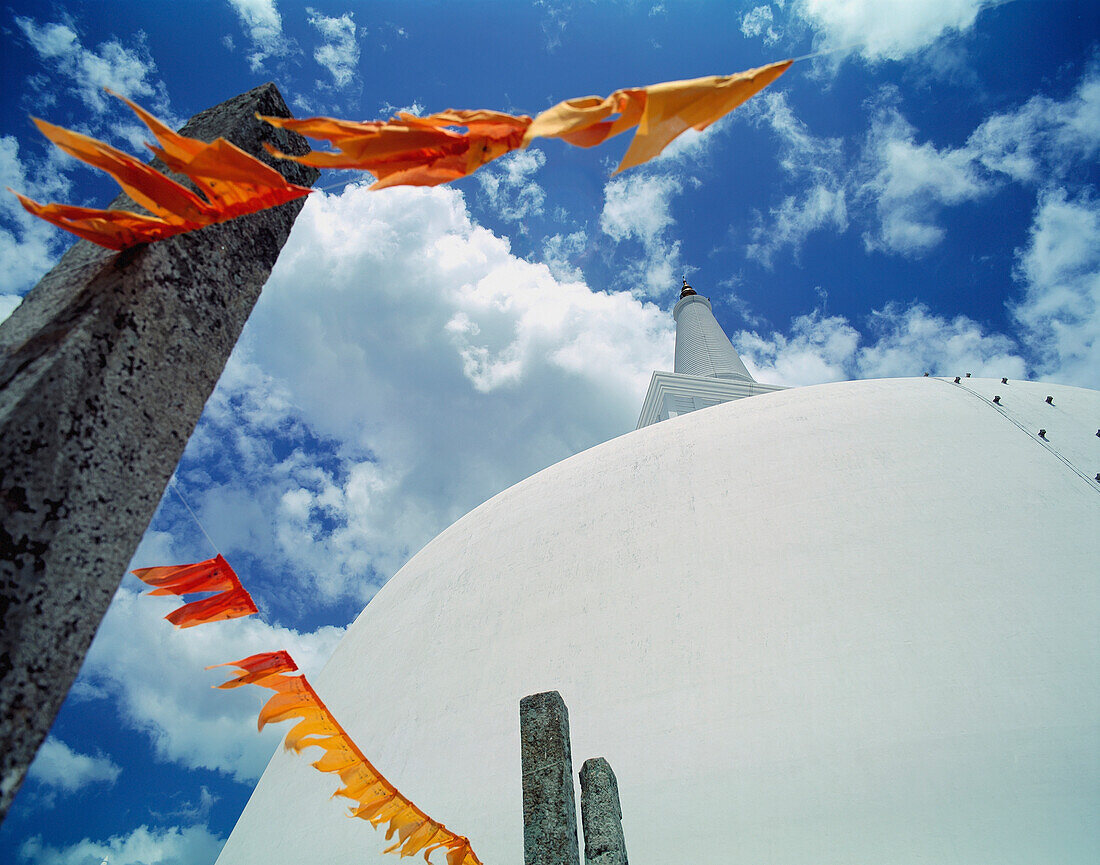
<point x="213" y="575"/>
<point x="376" y="800"/>
<point x="234" y="183"/>
<point x="406" y="150"/>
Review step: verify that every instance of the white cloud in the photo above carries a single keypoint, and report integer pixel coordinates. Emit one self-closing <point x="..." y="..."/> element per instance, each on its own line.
<point x="904" y="184"/>
<point x="339" y="53"/>
<point x="818" y="349"/>
<point x="58" y="765"/>
<point x="560" y="251"/>
<point x="416" y="108"/>
<point x="1078" y="120"/>
<point x="1042" y="137"/>
<point x="192" y="812"/>
<point x="885" y="29"/>
<point x="435" y="367"/>
<point x="637" y="206"/>
<point x="192" y="845"/>
<point x="28" y="246"/>
<point x="800" y="152"/>
<point x="1060" y="271"/>
<point x="264" y="26"/>
<point x="1010" y="143"/>
<point x="759" y="21"/>
<point x="797" y="216"/>
<point x="816" y="164"/>
<point x="157" y="674"/>
<point x="902" y="341"/>
<point x="509" y="189"/>
<point x="911" y="339"/>
<point x="125" y="70"/>
<point x="908" y="183"/>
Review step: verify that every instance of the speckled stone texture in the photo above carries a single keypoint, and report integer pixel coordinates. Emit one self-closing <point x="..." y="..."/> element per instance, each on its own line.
<point x="601" y="815"/>
<point x="104" y="371"/>
<point x="549" y="808"/>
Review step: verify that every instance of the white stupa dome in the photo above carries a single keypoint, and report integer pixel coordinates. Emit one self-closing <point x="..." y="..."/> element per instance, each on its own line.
<point x="850" y="623"/>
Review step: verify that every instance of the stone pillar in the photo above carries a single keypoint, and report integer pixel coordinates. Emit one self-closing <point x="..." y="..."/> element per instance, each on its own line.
<point x="601" y="815"/>
<point x="549" y="808"/>
<point x="104" y="371"/>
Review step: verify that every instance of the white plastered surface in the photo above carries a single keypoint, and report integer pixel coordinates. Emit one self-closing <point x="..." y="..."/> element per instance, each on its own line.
<point x="852" y="623"/>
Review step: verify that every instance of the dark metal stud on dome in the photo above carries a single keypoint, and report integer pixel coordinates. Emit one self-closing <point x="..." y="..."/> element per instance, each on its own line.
<point x="686" y="290"/>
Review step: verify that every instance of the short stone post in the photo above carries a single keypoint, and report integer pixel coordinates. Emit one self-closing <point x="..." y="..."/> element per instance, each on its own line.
<point x="104" y="371"/>
<point x="549" y="808"/>
<point x="601" y="815"/>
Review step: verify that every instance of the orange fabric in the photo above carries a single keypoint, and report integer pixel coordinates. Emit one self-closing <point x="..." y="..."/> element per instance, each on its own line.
<point x="233" y="182"/>
<point x="410" y="150"/>
<point x="426" y="151"/>
<point x="213" y="575"/>
<point x="376" y="799"/>
<point x="407" y="150"/>
<point x="661" y="112"/>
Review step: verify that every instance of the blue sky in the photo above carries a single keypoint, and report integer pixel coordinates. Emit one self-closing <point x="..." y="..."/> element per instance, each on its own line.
<point x="923" y="198"/>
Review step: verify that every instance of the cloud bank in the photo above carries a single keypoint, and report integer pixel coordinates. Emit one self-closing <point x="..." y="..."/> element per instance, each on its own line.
<point x="410" y="366"/>
<point x="885" y="29"/>
<point x="874" y="30"/>
<point x="901" y="341"/>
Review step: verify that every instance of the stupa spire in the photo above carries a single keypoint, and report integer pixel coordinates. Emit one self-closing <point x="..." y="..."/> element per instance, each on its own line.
<point x="708" y="369"/>
<point x="702" y="347"/>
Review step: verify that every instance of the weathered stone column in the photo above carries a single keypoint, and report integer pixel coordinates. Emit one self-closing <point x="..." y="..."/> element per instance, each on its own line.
<point x="104" y="371"/>
<point x="549" y="808"/>
<point x="601" y="815"/>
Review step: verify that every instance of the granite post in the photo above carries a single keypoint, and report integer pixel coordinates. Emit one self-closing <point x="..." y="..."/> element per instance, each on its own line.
<point x="104" y="371"/>
<point x="601" y="815"/>
<point x="549" y="808"/>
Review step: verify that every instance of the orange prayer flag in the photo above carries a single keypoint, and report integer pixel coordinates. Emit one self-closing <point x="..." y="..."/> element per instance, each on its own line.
<point x="426" y="151"/>
<point x="232" y="604"/>
<point x="661" y="112"/>
<point x="584" y="122"/>
<point x="255" y="667"/>
<point x="410" y="150"/>
<point x="233" y="183"/>
<point x="213" y="575"/>
<point x="376" y="799"/>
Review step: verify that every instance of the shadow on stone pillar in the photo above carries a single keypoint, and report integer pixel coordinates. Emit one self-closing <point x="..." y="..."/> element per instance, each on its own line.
<point x="549" y="807"/>
<point x="104" y="371"/>
<point x="601" y="815"/>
